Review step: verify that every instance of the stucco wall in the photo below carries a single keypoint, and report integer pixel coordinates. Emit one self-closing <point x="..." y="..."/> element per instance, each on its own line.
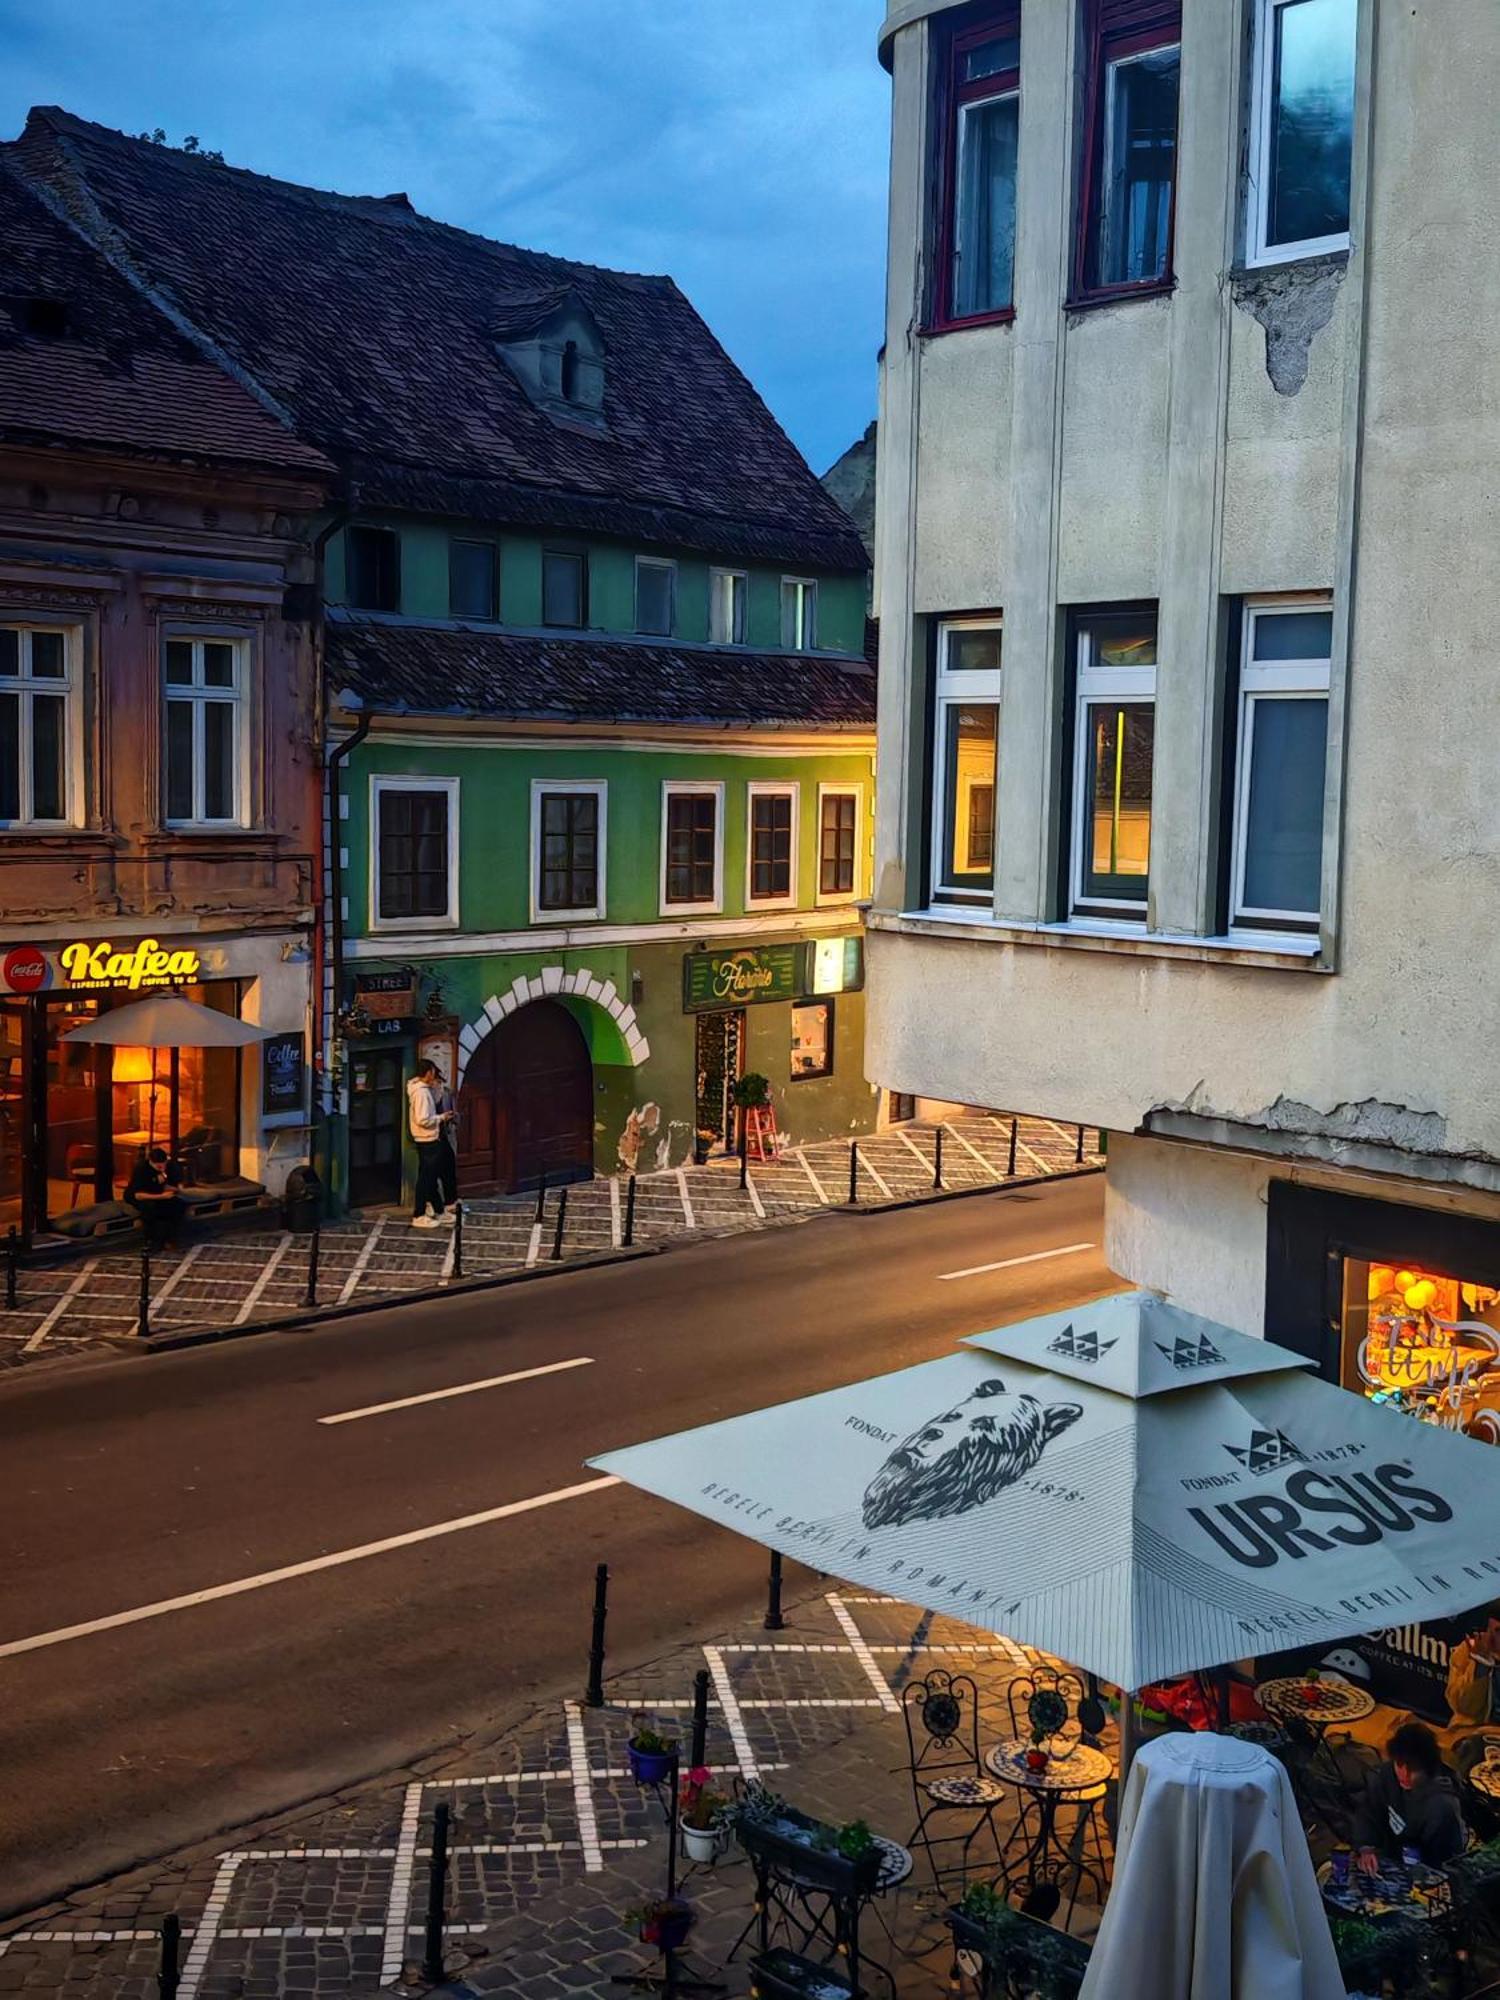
<point x="1190" y="1224"/>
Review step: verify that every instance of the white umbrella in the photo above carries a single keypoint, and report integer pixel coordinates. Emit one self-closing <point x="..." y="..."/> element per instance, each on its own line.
<point x="168" y="1021"/>
<point x="1144" y="1494"/>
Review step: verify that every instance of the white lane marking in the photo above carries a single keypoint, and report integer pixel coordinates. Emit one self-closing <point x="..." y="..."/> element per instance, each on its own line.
<point x="534" y="1243"/>
<point x="913" y="1147"/>
<point x="410" y="1539"/>
<point x="174" y="1278"/>
<point x="614" y="1211"/>
<point x="583" y="1794"/>
<point x="754" y="1193"/>
<point x="689" y="1219"/>
<point x="86" y="1271"/>
<point x="399" y="1900"/>
<point x="196" y="1962"/>
<point x="874" y="1172"/>
<point x="734" y="1722"/>
<point x="460" y="1389"/>
<point x="450" y="1255"/>
<point x="990" y="1168"/>
<point x="268" y="1271"/>
<point x="367" y="1250"/>
<point x="862" y="1653"/>
<point x="817" y="1185"/>
<point x="1009" y="1263"/>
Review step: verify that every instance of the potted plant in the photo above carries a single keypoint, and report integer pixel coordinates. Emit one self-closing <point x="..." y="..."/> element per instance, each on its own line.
<point x="1036" y="1756"/>
<point x="650" y="1754"/>
<point x="701" y="1813"/>
<point x="842" y="1860"/>
<point x="752" y="1091"/>
<point x="703" y="1144"/>
<point x="665" y="1922"/>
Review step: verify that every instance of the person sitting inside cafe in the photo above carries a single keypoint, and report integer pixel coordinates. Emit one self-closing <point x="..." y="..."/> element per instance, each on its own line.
<point x="152" y="1192"/>
<point x="1410" y="1804"/>
<point x="1473" y="1686"/>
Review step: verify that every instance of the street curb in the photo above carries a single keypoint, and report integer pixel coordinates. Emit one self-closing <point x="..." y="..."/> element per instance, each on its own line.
<point x="960" y="1194"/>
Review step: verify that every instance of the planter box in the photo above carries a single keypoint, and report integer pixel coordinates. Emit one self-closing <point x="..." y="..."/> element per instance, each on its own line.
<point x="792" y="1844"/>
<point x="1029" y="1957"/>
<point x="785" y="1975"/>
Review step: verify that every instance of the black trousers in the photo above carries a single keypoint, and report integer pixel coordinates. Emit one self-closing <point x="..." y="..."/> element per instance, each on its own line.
<point x="447" y="1170"/>
<point x="429" y="1172"/>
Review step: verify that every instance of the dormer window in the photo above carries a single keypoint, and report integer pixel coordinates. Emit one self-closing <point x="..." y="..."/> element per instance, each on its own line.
<point x="551" y="343"/>
<point x="569" y="383"/>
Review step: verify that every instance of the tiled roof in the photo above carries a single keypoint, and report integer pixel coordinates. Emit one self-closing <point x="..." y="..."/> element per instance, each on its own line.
<point x="114" y="374"/>
<point x="376" y="329"/>
<point x="504" y="676"/>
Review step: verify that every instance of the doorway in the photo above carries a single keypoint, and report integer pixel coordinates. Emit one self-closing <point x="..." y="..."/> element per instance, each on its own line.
<point x="526" y="1110"/>
<point x="376" y="1100"/>
<point x="720" y="1062"/>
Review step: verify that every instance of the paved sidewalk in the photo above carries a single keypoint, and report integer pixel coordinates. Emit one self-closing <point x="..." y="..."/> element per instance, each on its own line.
<point x="251" y="1275"/>
<point x="551" y="1841"/>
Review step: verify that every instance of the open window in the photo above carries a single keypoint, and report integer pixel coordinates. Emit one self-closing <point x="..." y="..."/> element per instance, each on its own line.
<point x="1301" y="129"/>
<point x="981" y="118"/>
<point x="1129" y="171"/>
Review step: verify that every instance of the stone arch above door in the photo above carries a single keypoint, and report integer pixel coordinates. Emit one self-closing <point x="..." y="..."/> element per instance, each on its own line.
<point x="553" y="982"/>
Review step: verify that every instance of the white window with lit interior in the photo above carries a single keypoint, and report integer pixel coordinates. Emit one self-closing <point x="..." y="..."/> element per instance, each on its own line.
<point x="966" y="739"/>
<point x="1301" y="129"/>
<point x="38" y="676"/>
<point x="727" y="590"/>
<point x="205" y="731"/>
<point x="1282" y="739"/>
<point x="799" y="613"/>
<point x="1114" y="738"/>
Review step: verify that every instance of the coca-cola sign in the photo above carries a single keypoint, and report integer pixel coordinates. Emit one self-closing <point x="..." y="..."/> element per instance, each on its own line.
<point x="24" y="969"/>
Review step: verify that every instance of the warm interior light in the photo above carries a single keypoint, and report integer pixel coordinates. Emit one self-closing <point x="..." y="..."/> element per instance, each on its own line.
<point x="133" y="1066"/>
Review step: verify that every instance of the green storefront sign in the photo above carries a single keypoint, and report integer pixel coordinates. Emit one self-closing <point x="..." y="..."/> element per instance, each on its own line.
<point x="741" y="978"/>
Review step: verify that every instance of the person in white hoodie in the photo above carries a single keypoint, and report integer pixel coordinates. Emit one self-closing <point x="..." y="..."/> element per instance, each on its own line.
<point x="426" y="1121"/>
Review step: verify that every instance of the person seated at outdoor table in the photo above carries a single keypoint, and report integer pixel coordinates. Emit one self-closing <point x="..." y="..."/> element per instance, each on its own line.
<point x="152" y="1192"/>
<point x="1409" y="1803"/>
<point x="1474" y="1687"/>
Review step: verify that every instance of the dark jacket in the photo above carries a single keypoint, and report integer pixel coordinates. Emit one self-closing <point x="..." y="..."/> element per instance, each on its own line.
<point x="1428" y="1817"/>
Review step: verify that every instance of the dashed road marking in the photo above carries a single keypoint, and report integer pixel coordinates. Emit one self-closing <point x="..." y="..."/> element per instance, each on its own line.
<point x="583" y="1793"/>
<point x="86" y="1271"/>
<point x="399" y="1900"/>
<point x="862" y="1653"/>
<point x="1009" y="1263"/>
<point x="207" y="1929"/>
<point x="459" y="1389"/>
<point x="734" y="1722"/>
<point x="361" y="1262"/>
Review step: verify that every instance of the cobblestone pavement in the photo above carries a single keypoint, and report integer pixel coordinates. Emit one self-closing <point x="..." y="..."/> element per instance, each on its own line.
<point x="250" y="1275"/>
<point x="551" y="1842"/>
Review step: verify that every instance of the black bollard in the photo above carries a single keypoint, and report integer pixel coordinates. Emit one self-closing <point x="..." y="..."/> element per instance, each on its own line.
<point x="314" y="1245"/>
<point x="594" y="1693"/>
<point x="1010" y="1165"/>
<point x="458" y="1239"/>
<point x="560" y="1224"/>
<point x="437" y="1895"/>
<point x="853" y="1170"/>
<point x="937" y="1157"/>
<point x="629" y="1236"/>
<point x="144" y="1327"/>
<point x="700" y="1720"/>
<point x="744" y="1151"/>
<point x="774" y="1622"/>
<point x="1078" y="1156"/>
<point x="171" y="1952"/>
<point x="12" y="1259"/>
<point x="541" y="1197"/>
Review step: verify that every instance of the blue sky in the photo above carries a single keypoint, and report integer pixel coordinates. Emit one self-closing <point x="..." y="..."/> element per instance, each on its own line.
<point x="738" y="144"/>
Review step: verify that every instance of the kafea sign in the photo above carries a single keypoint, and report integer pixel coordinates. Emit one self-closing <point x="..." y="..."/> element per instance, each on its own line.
<point x="127" y="968"/>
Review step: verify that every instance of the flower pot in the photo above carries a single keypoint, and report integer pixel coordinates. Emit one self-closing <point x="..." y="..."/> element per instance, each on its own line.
<point x="701" y="1843"/>
<point x="649" y="1767"/>
<point x="672" y="1931"/>
<point x="1036" y="1760"/>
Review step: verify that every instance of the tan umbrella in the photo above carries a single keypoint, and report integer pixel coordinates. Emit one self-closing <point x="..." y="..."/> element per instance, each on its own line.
<point x="166" y="1021"/>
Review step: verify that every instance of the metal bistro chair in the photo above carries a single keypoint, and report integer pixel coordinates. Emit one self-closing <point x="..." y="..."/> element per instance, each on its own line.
<point x="942" y="1740"/>
<point x="1056" y="1700"/>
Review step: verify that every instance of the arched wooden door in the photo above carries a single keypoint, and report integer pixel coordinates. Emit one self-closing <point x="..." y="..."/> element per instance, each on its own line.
<point x="527" y="1104"/>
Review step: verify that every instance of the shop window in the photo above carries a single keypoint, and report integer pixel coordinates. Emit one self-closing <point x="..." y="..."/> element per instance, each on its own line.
<point x="205" y="731"/>
<point x="1301" y="129"/>
<point x="565" y="587"/>
<point x="655" y="597"/>
<point x="772" y="859"/>
<point x="473" y="580"/>
<point x="799" y="614"/>
<point x="692" y="847"/>
<point x="372" y="568"/>
<point x="727" y="593"/>
<point x="1114" y="728"/>
<point x="567" y="823"/>
<point x="1423" y="1341"/>
<point x="812" y="1040"/>
<point x="37" y="705"/>
<point x="1130" y="135"/>
<point x="838" y="842"/>
<point x="981" y="82"/>
<point x="1282" y="742"/>
<point x="966" y="740"/>
<point x="415" y="852"/>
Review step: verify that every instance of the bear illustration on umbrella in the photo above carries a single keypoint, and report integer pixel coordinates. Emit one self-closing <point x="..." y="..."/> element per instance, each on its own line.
<point x="957" y="1461"/>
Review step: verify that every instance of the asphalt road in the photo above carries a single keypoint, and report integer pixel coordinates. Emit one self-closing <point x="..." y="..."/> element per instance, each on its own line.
<point x="131" y="1483"/>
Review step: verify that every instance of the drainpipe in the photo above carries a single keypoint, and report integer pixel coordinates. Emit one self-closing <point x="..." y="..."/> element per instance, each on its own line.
<point x="336" y="757"/>
<point x="342" y="515"/>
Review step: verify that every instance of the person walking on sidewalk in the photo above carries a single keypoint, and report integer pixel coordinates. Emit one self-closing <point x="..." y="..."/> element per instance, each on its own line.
<point x="427" y="1123"/>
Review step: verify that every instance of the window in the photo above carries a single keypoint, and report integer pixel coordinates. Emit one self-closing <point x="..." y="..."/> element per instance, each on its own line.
<point x="692" y="852"/>
<point x="655" y="597"/>
<point x="771" y="875"/>
<point x="812" y="1039"/>
<point x="1301" y="129"/>
<point x="838" y="843"/>
<point x="473" y="579"/>
<point x="36" y="705"/>
<point x="204" y="731"/>
<point x="966" y="741"/>
<point x="1131" y="135"/>
<point x="799" y="614"/>
<point x="372" y="568"/>
<point x="565" y="587"/>
<point x="415" y="852"/>
<point x="727" y="589"/>
<point x="1277" y="857"/>
<point x="567" y="843"/>
<point x="977" y="241"/>
<point x="1115" y="732"/>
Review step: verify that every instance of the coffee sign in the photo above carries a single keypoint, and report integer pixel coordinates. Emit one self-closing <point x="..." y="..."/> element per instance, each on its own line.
<point x="740" y="978"/>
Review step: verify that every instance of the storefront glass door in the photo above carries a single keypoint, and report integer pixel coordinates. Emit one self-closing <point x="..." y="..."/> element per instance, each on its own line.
<point x="75" y="1146"/>
<point x="720" y="1053"/>
<point x="14" y="1015"/>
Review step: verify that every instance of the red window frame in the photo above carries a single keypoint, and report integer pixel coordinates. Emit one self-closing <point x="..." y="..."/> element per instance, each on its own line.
<point x="1119" y="28"/>
<point x="954" y="94"/>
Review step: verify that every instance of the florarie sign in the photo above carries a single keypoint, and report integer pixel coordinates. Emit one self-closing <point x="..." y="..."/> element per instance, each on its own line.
<point x="740" y="978"/>
<point x="128" y="968"/>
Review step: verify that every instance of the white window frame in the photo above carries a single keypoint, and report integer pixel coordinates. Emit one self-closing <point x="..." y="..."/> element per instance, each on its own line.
<point x="799" y="614"/>
<point x="70" y="687"/>
<point x="1258" y="252"/>
<point x="550" y="788"/>
<point x="765" y="789"/>
<point x="1282" y="680"/>
<point x="673" y="788"/>
<point x="1102" y="687"/>
<point x="955" y="687"/>
<point x="839" y="896"/>
<point x="665" y="563"/>
<point x="235" y="697"/>
<point x="739" y="601"/>
<point x="380" y="783"/>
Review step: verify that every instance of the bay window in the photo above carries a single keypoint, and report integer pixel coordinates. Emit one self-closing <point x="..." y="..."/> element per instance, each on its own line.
<point x="37" y="704"/>
<point x="977" y="235"/>
<point x="205" y="731"/>
<point x="1114" y="736"/>
<point x="1301" y="129"/>
<point x="1130" y="166"/>
<point x="966" y="738"/>
<point x="1282" y="743"/>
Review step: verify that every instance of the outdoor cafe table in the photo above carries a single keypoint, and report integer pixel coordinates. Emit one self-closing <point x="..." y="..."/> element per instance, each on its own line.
<point x="1409" y="1909"/>
<point x="1485" y="1778"/>
<point x="1320" y="1704"/>
<point x="1068" y="1774"/>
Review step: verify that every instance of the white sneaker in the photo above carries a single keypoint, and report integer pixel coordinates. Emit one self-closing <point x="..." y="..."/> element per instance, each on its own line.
<point x="446" y="1216"/>
<point x="424" y="1222"/>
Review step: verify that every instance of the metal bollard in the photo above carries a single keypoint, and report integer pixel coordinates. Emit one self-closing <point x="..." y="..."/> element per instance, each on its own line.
<point x="853" y="1170"/>
<point x="314" y="1246"/>
<point x="700" y="1719"/>
<point x="594" y="1693"/>
<point x="144" y="1309"/>
<point x="937" y="1157"/>
<point x="437" y="1895"/>
<point x="1078" y="1156"/>
<point x="541" y="1198"/>
<point x="171" y="1953"/>
<point x="744" y="1151"/>
<point x="12" y="1259"/>
<point x="774" y="1622"/>
<point x="458" y="1239"/>
<point x="560" y="1225"/>
<point x="629" y="1236"/>
<point x="1010" y="1165"/>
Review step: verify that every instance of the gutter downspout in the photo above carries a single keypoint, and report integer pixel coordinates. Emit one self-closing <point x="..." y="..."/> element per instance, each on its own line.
<point x="335" y="758"/>
<point x="322" y="1040"/>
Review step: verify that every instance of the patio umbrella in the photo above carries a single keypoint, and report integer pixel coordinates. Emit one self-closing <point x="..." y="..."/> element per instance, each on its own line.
<point x="166" y="1021"/>
<point x="1134" y="1489"/>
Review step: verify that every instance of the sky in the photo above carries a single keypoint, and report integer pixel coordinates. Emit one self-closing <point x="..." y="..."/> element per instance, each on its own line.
<point x="740" y="147"/>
